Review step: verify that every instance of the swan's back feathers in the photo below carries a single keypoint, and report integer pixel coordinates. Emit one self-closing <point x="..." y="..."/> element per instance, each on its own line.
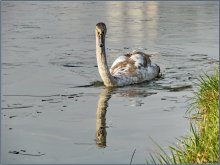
<point x="133" y="68"/>
<point x="129" y="64"/>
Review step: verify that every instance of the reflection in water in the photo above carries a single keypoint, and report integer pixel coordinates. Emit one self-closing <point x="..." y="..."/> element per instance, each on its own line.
<point x="150" y="22"/>
<point x="134" y="23"/>
<point x="102" y="106"/>
<point x="100" y="117"/>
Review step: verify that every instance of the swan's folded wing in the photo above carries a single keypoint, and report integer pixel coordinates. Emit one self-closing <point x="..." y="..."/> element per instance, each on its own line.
<point x="130" y="64"/>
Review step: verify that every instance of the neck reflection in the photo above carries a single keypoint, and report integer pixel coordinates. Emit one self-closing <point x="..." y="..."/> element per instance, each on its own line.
<point x="101" y="132"/>
<point x="136" y="92"/>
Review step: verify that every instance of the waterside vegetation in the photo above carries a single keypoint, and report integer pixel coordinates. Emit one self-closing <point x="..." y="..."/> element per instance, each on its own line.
<point x="202" y="146"/>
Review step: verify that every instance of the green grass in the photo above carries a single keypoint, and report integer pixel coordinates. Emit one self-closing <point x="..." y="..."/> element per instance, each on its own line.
<point x="202" y="146"/>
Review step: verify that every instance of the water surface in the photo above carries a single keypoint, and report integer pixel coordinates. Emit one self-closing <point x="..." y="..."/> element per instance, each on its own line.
<point x="48" y="51"/>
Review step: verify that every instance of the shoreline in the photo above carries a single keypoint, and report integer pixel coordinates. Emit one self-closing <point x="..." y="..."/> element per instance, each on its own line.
<point x="202" y="146"/>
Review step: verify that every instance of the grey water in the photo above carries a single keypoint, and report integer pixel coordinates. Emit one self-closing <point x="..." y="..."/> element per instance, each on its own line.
<point x="48" y="52"/>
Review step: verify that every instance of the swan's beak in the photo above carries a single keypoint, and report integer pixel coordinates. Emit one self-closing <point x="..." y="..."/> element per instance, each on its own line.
<point x="101" y="41"/>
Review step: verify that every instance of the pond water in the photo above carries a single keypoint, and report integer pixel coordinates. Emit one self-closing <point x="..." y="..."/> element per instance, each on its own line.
<point x="50" y="113"/>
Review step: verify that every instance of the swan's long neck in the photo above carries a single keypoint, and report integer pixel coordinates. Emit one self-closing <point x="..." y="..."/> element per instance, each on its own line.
<point x="102" y="64"/>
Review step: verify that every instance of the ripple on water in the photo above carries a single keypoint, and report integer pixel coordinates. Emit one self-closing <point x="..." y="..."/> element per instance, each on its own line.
<point x="7" y="65"/>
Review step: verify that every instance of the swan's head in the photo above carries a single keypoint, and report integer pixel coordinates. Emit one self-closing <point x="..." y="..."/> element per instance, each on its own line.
<point x="101" y="31"/>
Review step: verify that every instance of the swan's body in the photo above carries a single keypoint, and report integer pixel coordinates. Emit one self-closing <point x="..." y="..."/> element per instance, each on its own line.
<point x="127" y="69"/>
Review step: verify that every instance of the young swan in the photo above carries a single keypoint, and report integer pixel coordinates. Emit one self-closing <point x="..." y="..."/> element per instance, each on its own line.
<point x="131" y="68"/>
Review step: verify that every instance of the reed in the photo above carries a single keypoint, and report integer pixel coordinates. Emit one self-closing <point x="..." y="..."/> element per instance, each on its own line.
<point x="202" y="146"/>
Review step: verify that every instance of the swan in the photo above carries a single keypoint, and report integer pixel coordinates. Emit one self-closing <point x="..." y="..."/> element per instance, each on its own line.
<point x="131" y="68"/>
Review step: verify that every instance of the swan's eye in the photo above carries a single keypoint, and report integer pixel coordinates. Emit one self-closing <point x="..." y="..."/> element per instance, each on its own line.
<point x="102" y="33"/>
